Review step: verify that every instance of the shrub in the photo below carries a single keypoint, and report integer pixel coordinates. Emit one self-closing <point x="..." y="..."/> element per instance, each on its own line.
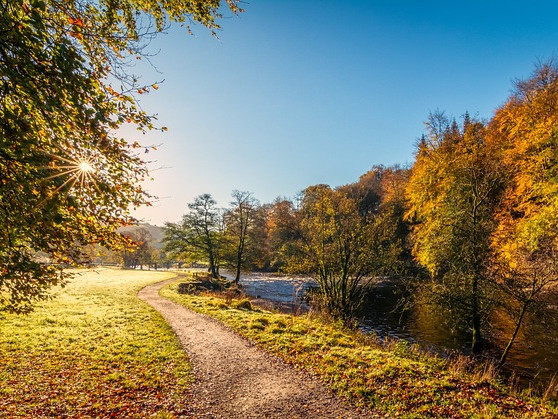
<point x="244" y="305"/>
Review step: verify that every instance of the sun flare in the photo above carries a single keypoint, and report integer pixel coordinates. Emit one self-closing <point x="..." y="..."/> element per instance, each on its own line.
<point x="79" y="170"/>
<point x="85" y="167"/>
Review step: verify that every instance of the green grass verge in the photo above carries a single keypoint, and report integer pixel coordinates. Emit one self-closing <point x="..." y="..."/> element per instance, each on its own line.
<point x="95" y="350"/>
<point x="399" y="380"/>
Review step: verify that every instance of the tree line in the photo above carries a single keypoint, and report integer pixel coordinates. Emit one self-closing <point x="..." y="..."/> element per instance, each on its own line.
<point x="472" y="223"/>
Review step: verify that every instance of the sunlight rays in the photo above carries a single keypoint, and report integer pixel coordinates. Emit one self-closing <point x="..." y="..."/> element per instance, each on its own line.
<point x="80" y="171"/>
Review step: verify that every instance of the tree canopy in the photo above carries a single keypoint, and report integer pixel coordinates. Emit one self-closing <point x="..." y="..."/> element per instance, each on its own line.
<point x="453" y="192"/>
<point x="66" y="177"/>
<point x="199" y="235"/>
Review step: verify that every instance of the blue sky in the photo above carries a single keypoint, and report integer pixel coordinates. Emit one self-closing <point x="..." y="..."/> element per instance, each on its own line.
<point x="295" y="93"/>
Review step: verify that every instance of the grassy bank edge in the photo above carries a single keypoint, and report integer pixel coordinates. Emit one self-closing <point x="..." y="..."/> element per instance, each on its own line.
<point x="397" y="378"/>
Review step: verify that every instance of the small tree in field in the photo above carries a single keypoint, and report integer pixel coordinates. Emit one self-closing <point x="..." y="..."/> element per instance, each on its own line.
<point x="140" y="250"/>
<point x="240" y="221"/>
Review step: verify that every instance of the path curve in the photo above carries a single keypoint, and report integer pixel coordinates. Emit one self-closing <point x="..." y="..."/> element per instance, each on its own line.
<point x="236" y="379"/>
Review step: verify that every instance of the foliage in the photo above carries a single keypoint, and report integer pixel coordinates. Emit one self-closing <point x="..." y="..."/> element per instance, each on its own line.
<point x="66" y="178"/>
<point x="333" y="247"/>
<point x="240" y="221"/>
<point x="525" y="280"/>
<point x="282" y="232"/>
<point x="200" y="233"/>
<point x="485" y="204"/>
<point x="391" y="378"/>
<point x="94" y="351"/>
<point x="525" y="130"/>
<point x="380" y="197"/>
<point x="453" y="191"/>
<point x="141" y="251"/>
<point x="525" y="243"/>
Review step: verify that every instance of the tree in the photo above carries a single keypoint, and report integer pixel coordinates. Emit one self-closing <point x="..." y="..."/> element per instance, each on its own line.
<point x="525" y="130"/>
<point x="258" y="253"/>
<point x="525" y="242"/>
<point x="525" y="280"/>
<point x="66" y="178"/>
<point x="199" y="234"/>
<point x="333" y="246"/>
<point x="240" y="221"/>
<point x="140" y="251"/>
<point x="453" y="191"/>
<point x="380" y="197"/>
<point x="282" y="232"/>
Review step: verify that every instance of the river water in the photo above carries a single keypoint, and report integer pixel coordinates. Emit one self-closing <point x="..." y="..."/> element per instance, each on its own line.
<point x="534" y="356"/>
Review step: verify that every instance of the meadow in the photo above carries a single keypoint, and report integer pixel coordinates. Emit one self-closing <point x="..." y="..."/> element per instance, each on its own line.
<point x="94" y="350"/>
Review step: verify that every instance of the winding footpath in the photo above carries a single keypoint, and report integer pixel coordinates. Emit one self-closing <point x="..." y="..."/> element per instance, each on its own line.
<point x="235" y="379"/>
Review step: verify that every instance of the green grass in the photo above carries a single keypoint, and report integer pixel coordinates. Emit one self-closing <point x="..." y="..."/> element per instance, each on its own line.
<point x="95" y="350"/>
<point x="398" y="380"/>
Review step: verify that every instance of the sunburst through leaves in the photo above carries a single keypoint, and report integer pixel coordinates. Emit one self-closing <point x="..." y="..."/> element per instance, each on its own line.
<point x="79" y="170"/>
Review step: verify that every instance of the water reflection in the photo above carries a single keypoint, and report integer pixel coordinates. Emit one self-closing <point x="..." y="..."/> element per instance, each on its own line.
<point x="534" y="355"/>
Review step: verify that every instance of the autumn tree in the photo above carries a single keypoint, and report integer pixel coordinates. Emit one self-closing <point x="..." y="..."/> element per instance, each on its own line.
<point x="140" y="250"/>
<point x="367" y="191"/>
<point x="66" y="178"/>
<point x="200" y="234"/>
<point x="282" y="232"/>
<point x="525" y="130"/>
<point x="453" y="191"/>
<point x="259" y="252"/>
<point x="333" y="246"/>
<point x="525" y="242"/>
<point x="380" y="198"/>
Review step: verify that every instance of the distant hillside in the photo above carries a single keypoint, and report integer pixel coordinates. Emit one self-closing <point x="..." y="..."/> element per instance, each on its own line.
<point x="157" y="233"/>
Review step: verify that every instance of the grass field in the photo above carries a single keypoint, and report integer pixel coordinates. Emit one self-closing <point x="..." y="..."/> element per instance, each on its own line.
<point x="95" y="350"/>
<point x="395" y="378"/>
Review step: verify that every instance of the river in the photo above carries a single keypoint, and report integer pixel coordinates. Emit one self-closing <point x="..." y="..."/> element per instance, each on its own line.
<point x="534" y="356"/>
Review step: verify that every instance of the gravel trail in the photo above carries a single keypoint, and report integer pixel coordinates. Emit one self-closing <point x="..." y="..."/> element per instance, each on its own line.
<point x="236" y="379"/>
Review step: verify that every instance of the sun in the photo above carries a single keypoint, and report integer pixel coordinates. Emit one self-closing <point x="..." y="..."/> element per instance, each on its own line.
<point x="78" y="169"/>
<point x="85" y="167"/>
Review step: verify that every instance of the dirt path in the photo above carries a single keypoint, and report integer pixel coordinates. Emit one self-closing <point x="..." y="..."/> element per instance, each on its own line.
<point x="235" y="379"/>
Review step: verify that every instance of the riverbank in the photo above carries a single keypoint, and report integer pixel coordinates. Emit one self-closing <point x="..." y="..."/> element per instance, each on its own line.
<point x="392" y="377"/>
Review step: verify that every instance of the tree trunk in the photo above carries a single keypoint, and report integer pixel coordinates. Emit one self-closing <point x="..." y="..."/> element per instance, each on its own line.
<point x="237" y="276"/>
<point x="212" y="267"/>
<point x="477" y="338"/>
<point x="515" y="332"/>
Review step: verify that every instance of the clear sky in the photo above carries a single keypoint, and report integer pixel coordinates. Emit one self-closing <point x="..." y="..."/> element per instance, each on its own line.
<point x="296" y="92"/>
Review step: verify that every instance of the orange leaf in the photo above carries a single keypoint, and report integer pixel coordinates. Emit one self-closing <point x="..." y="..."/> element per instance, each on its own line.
<point x="77" y="22"/>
